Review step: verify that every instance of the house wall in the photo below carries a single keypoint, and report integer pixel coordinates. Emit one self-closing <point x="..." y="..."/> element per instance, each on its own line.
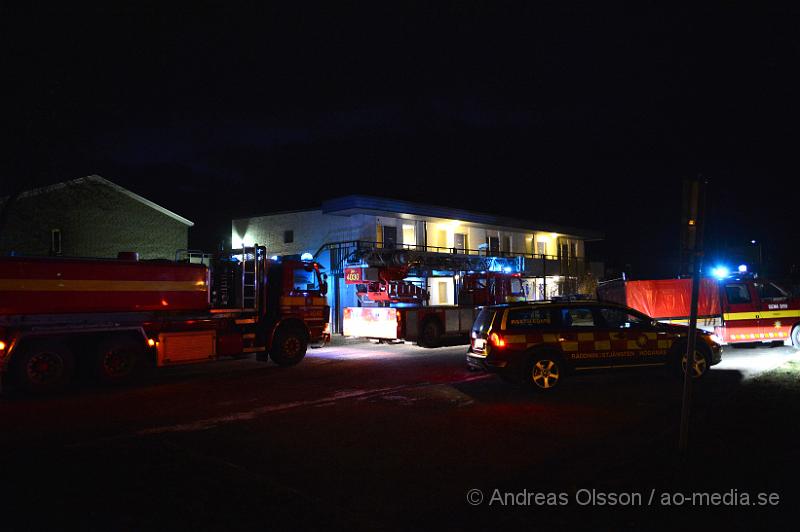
<point x="95" y="221"/>
<point x="311" y="229"/>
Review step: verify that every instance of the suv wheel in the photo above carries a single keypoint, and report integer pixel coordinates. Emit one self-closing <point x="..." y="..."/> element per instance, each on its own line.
<point x="700" y="364"/>
<point x="545" y="372"/>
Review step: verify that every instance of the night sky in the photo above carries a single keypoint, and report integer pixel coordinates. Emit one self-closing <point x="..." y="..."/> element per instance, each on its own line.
<point x="583" y="117"/>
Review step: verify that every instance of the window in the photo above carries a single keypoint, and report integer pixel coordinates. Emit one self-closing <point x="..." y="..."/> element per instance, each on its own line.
<point x="619" y="319"/>
<point x="442" y="292"/>
<point x="305" y="279"/>
<point x="483" y="321"/>
<point x="409" y="234"/>
<point x="494" y="244"/>
<point x="288" y="236"/>
<point x="389" y="236"/>
<point x="577" y="317"/>
<point x="55" y="242"/>
<point x="771" y="291"/>
<point x="459" y="242"/>
<point x="737" y="294"/>
<point x="541" y="248"/>
<point x="516" y="287"/>
<point x="528" y="318"/>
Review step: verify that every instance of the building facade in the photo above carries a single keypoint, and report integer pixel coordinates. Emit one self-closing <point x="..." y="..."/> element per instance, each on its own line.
<point x="90" y="217"/>
<point x="550" y="258"/>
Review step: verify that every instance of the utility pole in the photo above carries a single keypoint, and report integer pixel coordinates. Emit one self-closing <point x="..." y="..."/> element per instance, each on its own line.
<point x="694" y="203"/>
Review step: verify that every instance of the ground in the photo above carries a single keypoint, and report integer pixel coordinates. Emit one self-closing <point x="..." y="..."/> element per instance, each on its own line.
<point x="372" y="436"/>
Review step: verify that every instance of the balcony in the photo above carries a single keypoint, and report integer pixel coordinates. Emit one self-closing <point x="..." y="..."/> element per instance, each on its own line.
<point x="425" y="258"/>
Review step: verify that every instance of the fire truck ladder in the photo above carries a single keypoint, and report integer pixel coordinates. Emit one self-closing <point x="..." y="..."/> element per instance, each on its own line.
<point x="250" y="256"/>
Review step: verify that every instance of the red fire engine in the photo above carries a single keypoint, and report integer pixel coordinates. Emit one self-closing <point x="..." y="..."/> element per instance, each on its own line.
<point x="395" y="309"/>
<point x="737" y="309"/>
<point x="115" y="318"/>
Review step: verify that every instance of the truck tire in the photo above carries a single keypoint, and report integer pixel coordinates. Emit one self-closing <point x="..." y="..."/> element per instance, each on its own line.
<point x="431" y="333"/>
<point x="44" y="366"/>
<point x="796" y="337"/>
<point x="289" y="346"/>
<point x="118" y="359"/>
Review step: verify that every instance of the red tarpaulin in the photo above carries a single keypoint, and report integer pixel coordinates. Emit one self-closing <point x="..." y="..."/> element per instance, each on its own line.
<point x="666" y="298"/>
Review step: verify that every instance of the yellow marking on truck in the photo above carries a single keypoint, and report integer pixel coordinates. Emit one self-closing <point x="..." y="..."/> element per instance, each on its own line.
<point x="604" y="345"/>
<point x="516" y="339"/>
<point x="569" y="346"/>
<point x="651" y="335"/>
<point x="98" y="285"/>
<point x="585" y="337"/>
<point x="549" y="338"/>
<point x="733" y="316"/>
<point x="664" y="344"/>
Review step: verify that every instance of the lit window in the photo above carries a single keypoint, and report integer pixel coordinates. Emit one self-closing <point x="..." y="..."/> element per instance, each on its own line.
<point x="409" y="234"/>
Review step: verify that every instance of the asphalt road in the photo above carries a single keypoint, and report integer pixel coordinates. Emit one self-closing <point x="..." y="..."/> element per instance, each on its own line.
<point x="362" y="436"/>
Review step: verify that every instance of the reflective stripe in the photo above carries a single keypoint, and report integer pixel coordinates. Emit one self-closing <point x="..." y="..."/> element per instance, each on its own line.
<point x="98" y="285"/>
<point x="651" y="335"/>
<point x="602" y="345"/>
<point x="516" y="339"/>
<point x="319" y="301"/>
<point x="585" y="337"/>
<point x="293" y="300"/>
<point x="733" y="316"/>
<point x="779" y="314"/>
<point x="569" y="346"/>
<point x="549" y="338"/>
<point x="664" y="344"/>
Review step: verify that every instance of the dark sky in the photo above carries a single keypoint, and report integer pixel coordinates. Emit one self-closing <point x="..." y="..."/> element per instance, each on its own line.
<point x="578" y="116"/>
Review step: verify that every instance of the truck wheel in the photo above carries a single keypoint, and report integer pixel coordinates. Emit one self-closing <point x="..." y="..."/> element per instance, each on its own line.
<point x="288" y="346"/>
<point x="45" y="367"/>
<point x="796" y="336"/>
<point x="545" y="372"/>
<point x="118" y="360"/>
<point x="431" y="334"/>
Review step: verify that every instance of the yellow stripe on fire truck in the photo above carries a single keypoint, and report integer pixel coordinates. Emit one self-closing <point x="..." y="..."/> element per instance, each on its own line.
<point x="764" y="314"/>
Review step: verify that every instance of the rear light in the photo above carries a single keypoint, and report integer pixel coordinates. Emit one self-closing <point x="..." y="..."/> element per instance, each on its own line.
<point x="347" y="312"/>
<point x="2" y="345"/>
<point x="497" y="340"/>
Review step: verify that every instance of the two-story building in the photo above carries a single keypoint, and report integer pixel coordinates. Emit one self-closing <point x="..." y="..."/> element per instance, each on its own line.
<point x="550" y="258"/>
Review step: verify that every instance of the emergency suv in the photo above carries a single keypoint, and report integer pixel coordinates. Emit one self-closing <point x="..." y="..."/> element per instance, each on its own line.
<point x="542" y="343"/>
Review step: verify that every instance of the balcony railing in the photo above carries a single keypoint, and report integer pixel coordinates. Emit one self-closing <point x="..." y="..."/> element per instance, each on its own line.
<point x="342" y="253"/>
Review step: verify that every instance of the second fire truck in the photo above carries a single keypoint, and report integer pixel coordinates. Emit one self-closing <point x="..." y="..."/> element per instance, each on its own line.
<point x="738" y="309"/>
<point x="396" y="309"/>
